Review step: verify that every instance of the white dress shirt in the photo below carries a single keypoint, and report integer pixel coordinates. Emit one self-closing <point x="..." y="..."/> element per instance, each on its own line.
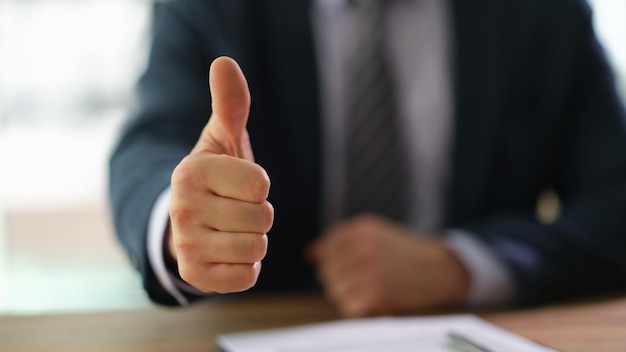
<point x="420" y="49"/>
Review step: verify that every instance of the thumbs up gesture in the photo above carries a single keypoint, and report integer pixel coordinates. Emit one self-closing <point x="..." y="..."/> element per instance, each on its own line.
<point x="219" y="210"/>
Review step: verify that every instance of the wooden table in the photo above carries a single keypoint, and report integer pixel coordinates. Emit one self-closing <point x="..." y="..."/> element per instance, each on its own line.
<point x="599" y="326"/>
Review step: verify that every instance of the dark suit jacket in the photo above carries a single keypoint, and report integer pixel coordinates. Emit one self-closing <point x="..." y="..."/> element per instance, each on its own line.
<point x="535" y="108"/>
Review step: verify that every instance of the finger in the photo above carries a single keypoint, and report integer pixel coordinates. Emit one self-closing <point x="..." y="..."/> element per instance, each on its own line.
<point x="335" y="242"/>
<point x="227" y="214"/>
<point x="204" y="246"/>
<point x="221" y="277"/>
<point x="345" y="271"/>
<point x="223" y="175"/>
<point x="353" y="296"/>
<point x="324" y="246"/>
<point x="365" y="304"/>
<point x="361" y="232"/>
<point x="339" y="288"/>
<point x="338" y="267"/>
<point x="235" y="248"/>
<point x="226" y="129"/>
<point x="188" y="211"/>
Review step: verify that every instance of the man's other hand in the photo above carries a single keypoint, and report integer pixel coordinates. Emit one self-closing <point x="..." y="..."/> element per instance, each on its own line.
<point x="371" y="266"/>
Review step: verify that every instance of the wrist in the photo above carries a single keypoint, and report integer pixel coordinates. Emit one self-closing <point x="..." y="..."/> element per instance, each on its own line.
<point x="456" y="277"/>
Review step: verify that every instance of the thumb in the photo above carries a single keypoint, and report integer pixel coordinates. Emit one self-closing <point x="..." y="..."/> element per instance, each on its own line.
<point x="226" y="133"/>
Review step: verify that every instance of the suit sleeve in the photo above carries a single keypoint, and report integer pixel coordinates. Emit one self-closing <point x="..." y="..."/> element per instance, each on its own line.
<point x="174" y="105"/>
<point x="583" y="251"/>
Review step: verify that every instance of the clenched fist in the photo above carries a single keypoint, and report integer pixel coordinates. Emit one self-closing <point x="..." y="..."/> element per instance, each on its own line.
<point x="219" y="210"/>
<point x="369" y="265"/>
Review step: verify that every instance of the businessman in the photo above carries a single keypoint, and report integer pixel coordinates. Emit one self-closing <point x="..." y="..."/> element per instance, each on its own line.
<point x="406" y="143"/>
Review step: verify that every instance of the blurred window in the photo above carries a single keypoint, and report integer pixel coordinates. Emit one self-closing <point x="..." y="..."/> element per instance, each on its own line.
<point x="67" y="72"/>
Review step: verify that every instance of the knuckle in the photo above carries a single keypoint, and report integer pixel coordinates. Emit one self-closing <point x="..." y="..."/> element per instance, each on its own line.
<point x="197" y="278"/>
<point x="367" y="253"/>
<point x="267" y="217"/>
<point x="219" y="160"/>
<point x="181" y="213"/>
<point x="250" y="248"/>
<point x="218" y="277"/>
<point x="258" y="248"/>
<point x="364" y="223"/>
<point x="185" y="173"/>
<point x="246" y="278"/>
<point x="238" y="278"/>
<point x="184" y="246"/>
<point x="189" y="273"/>
<point x="259" y="184"/>
<point x="332" y="295"/>
<point x="258" y="218"/>
<point x="352" y="308"/>
<point x="376" y="296"/>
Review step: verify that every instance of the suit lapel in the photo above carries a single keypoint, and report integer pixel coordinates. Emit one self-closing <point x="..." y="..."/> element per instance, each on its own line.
<point x="478" y="72"/>
<point x="291" y="60"/>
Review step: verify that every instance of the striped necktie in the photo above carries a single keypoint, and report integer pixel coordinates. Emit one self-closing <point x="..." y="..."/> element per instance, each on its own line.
<point x="377" y="172"/>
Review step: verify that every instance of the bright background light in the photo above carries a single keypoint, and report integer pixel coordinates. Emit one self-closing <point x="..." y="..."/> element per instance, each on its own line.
<point x="67" y="71"/>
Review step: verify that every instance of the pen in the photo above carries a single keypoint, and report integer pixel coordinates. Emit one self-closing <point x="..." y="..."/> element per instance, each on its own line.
<point x="465" y="344"/>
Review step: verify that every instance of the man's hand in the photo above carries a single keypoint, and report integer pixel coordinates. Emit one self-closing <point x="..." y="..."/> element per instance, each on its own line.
<point x="371" y="266"/>
<point x="219" y="212"/>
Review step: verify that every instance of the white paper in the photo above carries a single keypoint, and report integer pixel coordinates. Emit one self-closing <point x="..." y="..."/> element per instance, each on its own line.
<point x="424" y="334"/>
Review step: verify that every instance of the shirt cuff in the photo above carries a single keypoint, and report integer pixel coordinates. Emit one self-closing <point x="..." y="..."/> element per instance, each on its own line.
<point x="492" y="281"/>
<point x="159" y="218"/>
